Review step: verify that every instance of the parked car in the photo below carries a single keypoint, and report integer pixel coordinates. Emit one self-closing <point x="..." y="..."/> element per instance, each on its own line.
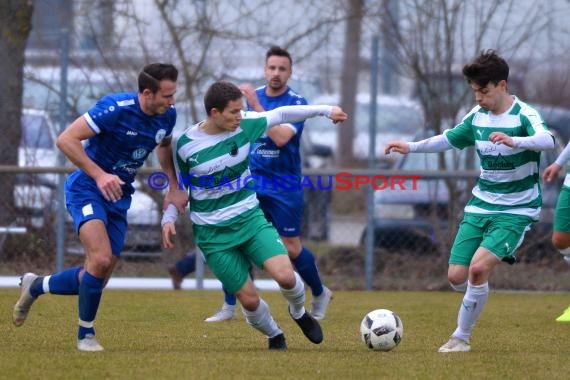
<point x="35" y="194"/>
<point x="397" y="118"/>
<point x="413" y="218"/>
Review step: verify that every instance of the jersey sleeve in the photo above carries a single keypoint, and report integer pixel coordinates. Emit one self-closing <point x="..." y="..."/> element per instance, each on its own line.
<point x="298" y="126"/>
<point x="103" y="115"/>
<point x="253" y="125"/>
<point x="532" y="122"/>
<point x="462" y="136"/>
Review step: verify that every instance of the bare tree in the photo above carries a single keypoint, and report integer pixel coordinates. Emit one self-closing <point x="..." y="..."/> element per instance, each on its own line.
<point x="15" y="27"/>
<point x="349" y="78"/>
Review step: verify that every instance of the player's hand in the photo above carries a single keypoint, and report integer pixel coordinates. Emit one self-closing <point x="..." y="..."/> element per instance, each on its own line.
<point x="397" y="146"/>
<point x="178" y="197"/>
<point x="110" y="187"/>
<point x="551" y="172"/>
<point x="338" y="115"/>
<point x="498" y="138"/>
<point x="251" y="96"/>
<point x="168" y="230"/>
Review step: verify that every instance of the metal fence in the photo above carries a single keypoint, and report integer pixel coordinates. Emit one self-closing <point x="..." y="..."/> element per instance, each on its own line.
<point x="405" y="211"/>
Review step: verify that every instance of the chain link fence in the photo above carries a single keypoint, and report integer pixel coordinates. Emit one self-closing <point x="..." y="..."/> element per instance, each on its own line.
<point x="411" y="220"/>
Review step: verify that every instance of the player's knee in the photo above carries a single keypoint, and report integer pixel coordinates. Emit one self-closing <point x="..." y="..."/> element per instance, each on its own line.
<point x="561" y="241"/>
<point x="285" y="278"/>
<point x="456" y="277"/>
<point x="248" y="302"/>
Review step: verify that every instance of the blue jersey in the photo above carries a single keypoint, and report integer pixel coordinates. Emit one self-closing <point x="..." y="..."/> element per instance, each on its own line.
<point x="267" y="159"/>
<point x="125" y="134"/>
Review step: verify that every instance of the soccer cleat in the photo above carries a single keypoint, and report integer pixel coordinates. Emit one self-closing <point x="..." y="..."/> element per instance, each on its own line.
<point x="89" y="344"/>
<point x="175" y="277"/>
<point x="565" y="317"/>
<point x="277" y="342"/>
<point x="320" y="304"/>
<point x="24" y="303"/>
<point x="455" y="345"/>
<point x="224" y="314"/>
<point x="310" y="327"/>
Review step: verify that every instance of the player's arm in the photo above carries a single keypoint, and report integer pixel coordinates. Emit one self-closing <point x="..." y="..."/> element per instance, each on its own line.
<point x="167" y="223"/>
<point x="175" y="194"/>
<point x="69" y="142"/>
<point x="433" y="144"/>
<point x="280" y="134"/>
<point x="551" y="172"/>
<point x="293" y="114"/>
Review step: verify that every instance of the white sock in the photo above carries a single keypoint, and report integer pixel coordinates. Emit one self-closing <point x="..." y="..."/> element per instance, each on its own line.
<point x="296" y="297"/>
<point x="262" y="320"/>
<point x="473" y="302"/>
<point x="226" y="306"/>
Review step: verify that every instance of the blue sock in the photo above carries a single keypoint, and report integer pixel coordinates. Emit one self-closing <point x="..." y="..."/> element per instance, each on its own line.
<point x="186" y="265"/>
<point x="230" y="299"/>
<point x="90" y="290"/>
<point x="306" y="266"/>
<point x="65" y="282"/>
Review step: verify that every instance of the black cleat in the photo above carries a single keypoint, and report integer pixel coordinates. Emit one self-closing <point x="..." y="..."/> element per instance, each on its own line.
<point x="310" y="327"/>
<point x="277" y="342"/>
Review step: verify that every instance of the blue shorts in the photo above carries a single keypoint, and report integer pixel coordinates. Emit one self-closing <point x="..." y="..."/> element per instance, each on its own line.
<point x="85" y="202"/>
<point x="284" y="210"/>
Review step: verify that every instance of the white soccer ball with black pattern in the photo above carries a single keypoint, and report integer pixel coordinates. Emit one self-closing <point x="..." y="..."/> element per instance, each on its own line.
<point x="381" y="330"/>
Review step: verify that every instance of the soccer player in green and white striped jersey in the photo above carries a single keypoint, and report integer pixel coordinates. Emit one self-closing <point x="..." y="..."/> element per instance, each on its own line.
<point x="229" y="227"/>
<point x="508" y="135"/>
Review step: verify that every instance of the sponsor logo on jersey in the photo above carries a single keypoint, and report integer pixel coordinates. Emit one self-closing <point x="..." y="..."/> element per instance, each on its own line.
<point x="139" y="153"/>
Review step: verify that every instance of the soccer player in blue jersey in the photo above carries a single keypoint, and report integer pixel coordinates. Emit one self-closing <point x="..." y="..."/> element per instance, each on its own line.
<point x="276" y="155"/>
<point x="120" y="130"/>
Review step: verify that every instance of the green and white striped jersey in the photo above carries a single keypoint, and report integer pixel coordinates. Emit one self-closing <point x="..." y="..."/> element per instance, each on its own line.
<point x="215" y="170"/>
<point x="509" y="181"/>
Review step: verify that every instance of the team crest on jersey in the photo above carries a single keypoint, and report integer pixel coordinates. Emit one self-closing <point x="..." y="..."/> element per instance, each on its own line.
<point x="159" y="136"/>
<point x="234" y="149"/>
<point x="138" y="154"/>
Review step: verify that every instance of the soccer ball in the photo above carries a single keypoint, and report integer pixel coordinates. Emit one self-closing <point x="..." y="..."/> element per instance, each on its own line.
<point x="381" y="330"/>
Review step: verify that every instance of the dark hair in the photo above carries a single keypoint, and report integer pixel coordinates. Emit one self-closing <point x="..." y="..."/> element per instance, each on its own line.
<point x="487" y="67"/>
<point x="220" y="94"/>
<point x="152" y="74"/>
<point x="276" y="50"/>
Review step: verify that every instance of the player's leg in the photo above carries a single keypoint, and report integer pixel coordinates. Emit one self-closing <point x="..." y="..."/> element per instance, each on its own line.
<point x="32" y="286"/>
<point x="561" y="234"/>
<point x="65" y="282"/>
<point x="467" y="241"/>
<point x="99" y="264"/>
<point x="231" y="267"/>
<point x="182" y="268"/>
<point x="473" y="301"/>
<point x="266" y="251"/>
<point x="285" y="212"/>
<point x="293" y="289"/>
<point x="501" y="235"/>
<point x="258" y="315"/>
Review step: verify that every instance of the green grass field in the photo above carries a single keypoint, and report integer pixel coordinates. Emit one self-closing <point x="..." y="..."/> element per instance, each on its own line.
<point x="160" y="335"/>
